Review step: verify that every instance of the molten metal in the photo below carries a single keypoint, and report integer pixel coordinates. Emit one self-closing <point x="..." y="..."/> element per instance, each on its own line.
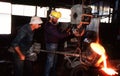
<point x="109" y="71"/>
<point x="99" y="49"/>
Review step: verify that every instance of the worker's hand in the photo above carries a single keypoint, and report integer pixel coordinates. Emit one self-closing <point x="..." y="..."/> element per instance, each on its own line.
<point x="76" y="33"/>
<point x="22" y="57"/>
<point x="19" y="52"/>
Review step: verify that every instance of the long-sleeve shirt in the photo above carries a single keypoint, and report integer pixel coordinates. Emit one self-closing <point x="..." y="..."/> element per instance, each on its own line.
<point x="24" y="38"/>
<point x="52" y="35"/>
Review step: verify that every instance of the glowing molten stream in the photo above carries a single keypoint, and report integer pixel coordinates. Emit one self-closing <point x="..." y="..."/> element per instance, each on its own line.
<point x="99" y="49"/>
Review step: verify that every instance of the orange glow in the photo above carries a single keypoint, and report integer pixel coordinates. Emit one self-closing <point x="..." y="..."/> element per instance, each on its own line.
<point x="109" y="71"/>
<point x="99" y="49"/>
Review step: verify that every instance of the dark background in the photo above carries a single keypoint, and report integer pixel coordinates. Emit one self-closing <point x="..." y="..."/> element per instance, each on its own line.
<point x="108" y="33"/>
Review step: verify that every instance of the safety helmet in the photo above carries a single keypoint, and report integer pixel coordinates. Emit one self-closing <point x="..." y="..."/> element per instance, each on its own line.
<point x="55" y="14"/>
<point x="36" y="20"/>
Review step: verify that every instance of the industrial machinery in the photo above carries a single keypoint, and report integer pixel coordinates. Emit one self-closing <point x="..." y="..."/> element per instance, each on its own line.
<point x="88" y="53"/>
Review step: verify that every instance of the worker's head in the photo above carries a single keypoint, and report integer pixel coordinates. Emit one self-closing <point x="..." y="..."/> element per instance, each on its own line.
<point x="54" y="16"/>
<point x="36" y="22"/>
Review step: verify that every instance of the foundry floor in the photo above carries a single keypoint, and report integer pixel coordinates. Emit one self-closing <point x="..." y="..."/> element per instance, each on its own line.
<point x="6" y="68"/>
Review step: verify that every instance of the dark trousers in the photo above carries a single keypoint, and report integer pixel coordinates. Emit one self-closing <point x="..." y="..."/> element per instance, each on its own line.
<point x="51" y="59"/>
<point x="21" y="67"/>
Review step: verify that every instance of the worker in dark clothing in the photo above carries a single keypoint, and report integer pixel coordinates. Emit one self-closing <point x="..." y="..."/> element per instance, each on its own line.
<point x="52" y="37"/>
<point x="22" y="43"/>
